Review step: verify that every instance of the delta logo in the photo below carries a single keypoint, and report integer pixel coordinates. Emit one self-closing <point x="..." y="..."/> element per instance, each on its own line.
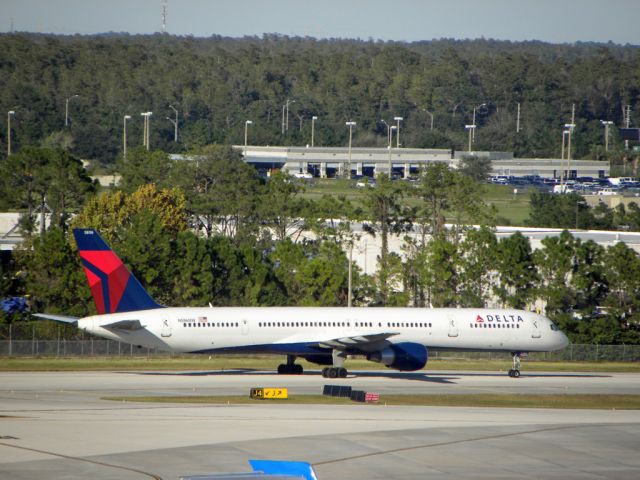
<point x="500" y="318"/>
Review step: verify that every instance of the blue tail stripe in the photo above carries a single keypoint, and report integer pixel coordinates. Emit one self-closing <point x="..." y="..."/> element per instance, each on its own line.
<point x="104" y="282"/>
<point x="89" y="239"/>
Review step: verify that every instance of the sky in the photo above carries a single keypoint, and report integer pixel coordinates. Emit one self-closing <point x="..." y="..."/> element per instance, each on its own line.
<point x="553" y="21"/>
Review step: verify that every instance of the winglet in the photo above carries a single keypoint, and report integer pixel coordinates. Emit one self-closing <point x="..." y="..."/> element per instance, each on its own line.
<point x="113" y="286"/>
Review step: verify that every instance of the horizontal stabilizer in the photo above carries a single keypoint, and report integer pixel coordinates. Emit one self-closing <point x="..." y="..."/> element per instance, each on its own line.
<point x="124" y="325"/>
<point x="57" y="318"/>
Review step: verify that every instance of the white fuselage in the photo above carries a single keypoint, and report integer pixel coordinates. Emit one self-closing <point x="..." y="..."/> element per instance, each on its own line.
<point x="290" y="329"/>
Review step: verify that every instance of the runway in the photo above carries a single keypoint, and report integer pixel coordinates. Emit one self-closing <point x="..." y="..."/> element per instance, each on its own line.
<point x="56" y="425"/>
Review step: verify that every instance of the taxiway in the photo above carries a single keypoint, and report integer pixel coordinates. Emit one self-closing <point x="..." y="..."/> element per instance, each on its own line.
<point x="57" y="425"/>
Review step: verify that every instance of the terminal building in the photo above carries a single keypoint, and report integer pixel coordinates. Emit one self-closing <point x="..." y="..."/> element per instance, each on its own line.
<point x="327" y="162"/>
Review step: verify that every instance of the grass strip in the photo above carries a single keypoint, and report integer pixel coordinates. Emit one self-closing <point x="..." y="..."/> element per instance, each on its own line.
<point x="602" y="402"/>
<point x="271" y="362"/>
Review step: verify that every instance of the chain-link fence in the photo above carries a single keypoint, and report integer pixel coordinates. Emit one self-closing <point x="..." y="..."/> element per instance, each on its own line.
<point x="47" y="339"/>
<point x="574" y="352"/>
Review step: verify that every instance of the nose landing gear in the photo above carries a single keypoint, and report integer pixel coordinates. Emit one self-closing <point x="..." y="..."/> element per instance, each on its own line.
<point x="515" y="371"/>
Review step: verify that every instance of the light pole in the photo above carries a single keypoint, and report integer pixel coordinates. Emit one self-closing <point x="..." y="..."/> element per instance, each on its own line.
<point x="349" y="295"/>
<point x="124" y="136"/>
<point x="474" y="120"/>
<point x="471" y="129"/>
<point x="350" y="125"/>
<point x="10" y="113"/>
<point x="66" y="109"/>
<point x="606" y="124"/>
<point x="313" y="124"/>
<point x="145" y="132"/>
<point x="570" y="127"/>
<point x="175" y="123"/>
<point x="564" y="133"/>
<point x="388" y="131"/>
<point x="144" y="128"/>
<point x="398" y="120"/>
<point x="246" y="129"/>
<point x="391" y="129"/>
<point x="149" y="129"/>
<point x="285" y="115"/>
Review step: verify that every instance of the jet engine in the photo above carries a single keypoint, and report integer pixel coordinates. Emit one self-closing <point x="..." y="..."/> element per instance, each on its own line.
<point x="404" y="356"/>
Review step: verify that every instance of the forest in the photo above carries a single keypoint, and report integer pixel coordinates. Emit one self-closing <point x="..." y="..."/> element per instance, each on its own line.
<point x="74" y="92"/>
<point x="214" y="231"/>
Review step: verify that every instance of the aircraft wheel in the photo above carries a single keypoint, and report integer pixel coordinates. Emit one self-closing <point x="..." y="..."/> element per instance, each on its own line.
<point x="325" y="372"/>
<point x="511" y="372"/>
<point x="282" y="369"/>
<point x="516" y="373"/>
<point x="342" y="372"/>
<point x="297" y="369"/>
<point x="333" y="372"/>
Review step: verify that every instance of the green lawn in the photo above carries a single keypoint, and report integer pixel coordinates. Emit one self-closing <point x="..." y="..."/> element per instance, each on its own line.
<point x="271" y="362"/>
<point x="617" y="402"/>
<point x="510" y="206"/>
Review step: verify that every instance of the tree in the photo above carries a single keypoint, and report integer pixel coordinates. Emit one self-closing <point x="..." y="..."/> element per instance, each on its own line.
<point x="54" y="277"/>
<point x="440" y="274"/>
<point x="281" y="209"/>
<point x="36" y="177"/>
<point x="478" y="256"/>
<point x="221" y="190"/>
<point x="477" y="168"/>
<point x="147" y="248"/>
<point x="68" y="186"/>
<point x="312" y="274"/>
<point x="516" y="271"/>
<point x="559" y="211"/>
<point x="111" y="212"/>
<point x="555" y="263"/>
<point x="193" y="274"/>
<point x="622" y="271"/>
<point x="143" y="167"/>
<point x="444" y="191"/>
<point x="387" y="216"/>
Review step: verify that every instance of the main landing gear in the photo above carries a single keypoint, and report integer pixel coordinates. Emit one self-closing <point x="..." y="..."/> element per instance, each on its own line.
<point x="290" y="368"/>
<point x="334" y="372"/>
<point x="515" y="371"/>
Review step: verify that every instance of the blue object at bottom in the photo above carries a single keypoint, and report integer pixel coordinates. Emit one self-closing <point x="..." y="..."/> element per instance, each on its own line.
<point x="281" y="467"/>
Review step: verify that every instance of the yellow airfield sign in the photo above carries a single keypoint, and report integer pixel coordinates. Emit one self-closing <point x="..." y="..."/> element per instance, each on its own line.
<point x="268" y="393"/>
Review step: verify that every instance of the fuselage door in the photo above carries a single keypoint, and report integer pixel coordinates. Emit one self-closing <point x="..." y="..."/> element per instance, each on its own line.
<point x="535" y="328"/>
<point x="166" y="328"/>
<point x="244" y="324"/>
<point x="453" y="327"/>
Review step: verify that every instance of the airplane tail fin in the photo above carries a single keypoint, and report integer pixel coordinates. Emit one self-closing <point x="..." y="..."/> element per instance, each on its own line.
<point x="113" y="286"/>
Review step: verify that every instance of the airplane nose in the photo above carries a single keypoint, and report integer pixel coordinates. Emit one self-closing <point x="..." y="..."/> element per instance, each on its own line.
<point x="563" y="341"/>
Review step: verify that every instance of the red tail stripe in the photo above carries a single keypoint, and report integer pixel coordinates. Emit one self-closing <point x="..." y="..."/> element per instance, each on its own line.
<point x="107" y="262"/>
<point x="96" y="290"/>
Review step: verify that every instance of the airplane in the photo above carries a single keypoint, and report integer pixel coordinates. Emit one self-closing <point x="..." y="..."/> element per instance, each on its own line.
<point x="399" y="338"/>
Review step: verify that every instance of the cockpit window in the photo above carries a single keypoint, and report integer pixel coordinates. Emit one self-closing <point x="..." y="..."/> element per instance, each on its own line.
<point x="554" y="327"/>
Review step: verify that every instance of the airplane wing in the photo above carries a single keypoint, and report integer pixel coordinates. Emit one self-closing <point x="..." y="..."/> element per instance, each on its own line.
<point x="359" y="342"/>
<point x="124" y="325"/>
<point x="365" y="343"/>
<point x="57" y="318"/>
